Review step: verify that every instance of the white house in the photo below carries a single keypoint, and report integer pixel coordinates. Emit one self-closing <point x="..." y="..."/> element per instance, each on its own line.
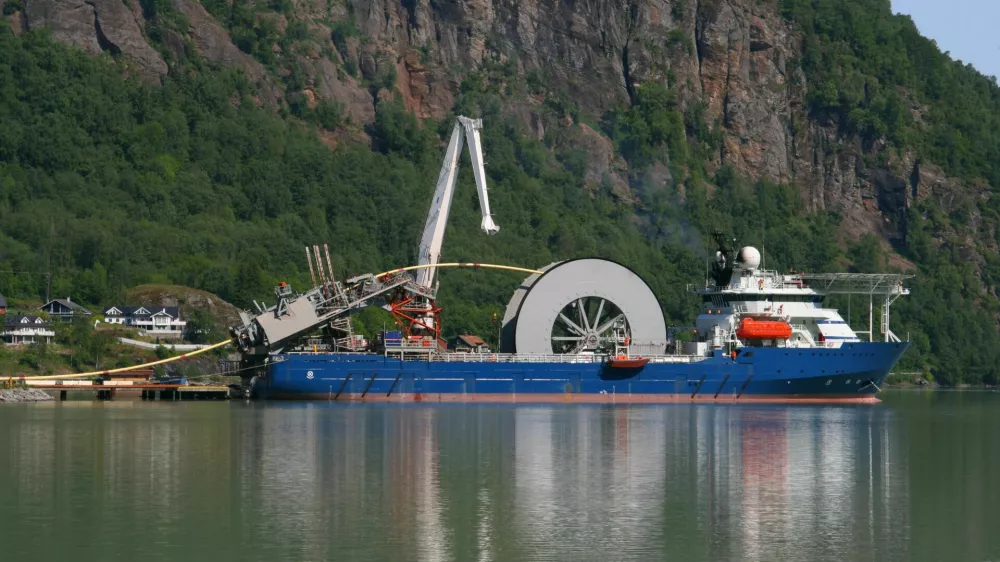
<point x="26" y="329"/>
<point x="153" y="320"/>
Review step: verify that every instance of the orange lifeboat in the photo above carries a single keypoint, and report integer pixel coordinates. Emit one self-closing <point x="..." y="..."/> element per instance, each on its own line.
<point x="751" y="329"/>
<point x="622" y="362"/>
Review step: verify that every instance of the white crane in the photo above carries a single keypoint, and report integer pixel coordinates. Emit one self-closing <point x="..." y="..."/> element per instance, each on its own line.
<point x="329" y="303"/>
<point x="437" y="217"/>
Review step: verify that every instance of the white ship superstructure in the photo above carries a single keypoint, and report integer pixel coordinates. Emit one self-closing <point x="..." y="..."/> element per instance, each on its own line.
<point x="742" y="290"/>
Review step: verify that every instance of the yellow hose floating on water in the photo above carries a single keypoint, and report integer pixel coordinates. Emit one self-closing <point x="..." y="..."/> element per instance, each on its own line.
<point x="227" y="342"/>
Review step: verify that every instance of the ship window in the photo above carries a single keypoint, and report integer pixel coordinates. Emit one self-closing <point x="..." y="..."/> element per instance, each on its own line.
<point x="748" y="354"/>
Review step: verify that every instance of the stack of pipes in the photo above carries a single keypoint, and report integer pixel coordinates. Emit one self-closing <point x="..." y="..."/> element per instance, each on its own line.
<point x="326" y="279"/>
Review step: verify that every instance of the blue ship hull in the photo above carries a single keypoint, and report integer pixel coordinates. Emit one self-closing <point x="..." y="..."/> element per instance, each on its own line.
<point x="852" y="373"/>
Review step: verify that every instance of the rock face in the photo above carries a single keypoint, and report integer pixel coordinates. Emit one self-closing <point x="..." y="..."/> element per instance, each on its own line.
<point x="97" y="26"/>
<point x="731" y="57"/>
<point x="342" y="88"/>
<point x="119" y="30"/>
<point x="213" y="41"/>
<point x="69" y="21"/>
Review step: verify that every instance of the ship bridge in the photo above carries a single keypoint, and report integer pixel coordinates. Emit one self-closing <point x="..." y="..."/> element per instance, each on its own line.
<point x="884" y="287"/>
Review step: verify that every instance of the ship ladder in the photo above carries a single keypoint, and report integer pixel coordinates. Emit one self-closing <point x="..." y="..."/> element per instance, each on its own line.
<point x="697" y="388"/>
<point x="342" y="386"/>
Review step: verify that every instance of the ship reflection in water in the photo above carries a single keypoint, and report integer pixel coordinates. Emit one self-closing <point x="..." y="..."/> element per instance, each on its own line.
<point x="477" y="482"/>
<point x="91" y="481"/>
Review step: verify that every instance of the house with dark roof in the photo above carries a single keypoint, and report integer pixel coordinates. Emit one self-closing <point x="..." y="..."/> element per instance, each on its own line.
<point x="64" y="309"/>
<point x="468" y="343"/>
<point x="153" y="320"/>
<point x="3" y="305"/>
<point x="22" y="328"/>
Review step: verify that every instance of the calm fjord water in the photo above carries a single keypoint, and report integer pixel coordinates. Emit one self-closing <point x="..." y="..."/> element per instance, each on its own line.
<point x="916" y="478"/>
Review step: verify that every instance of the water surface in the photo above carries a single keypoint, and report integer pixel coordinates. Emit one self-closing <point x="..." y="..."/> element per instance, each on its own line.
<point x="916" y="478"/>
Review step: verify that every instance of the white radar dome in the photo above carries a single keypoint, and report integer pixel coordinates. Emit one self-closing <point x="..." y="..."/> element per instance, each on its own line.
<point x="749" y="257"/>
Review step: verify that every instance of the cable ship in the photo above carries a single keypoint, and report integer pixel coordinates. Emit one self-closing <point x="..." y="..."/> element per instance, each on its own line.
<point x="579" y="330"/>
<point x="760" y="336"/>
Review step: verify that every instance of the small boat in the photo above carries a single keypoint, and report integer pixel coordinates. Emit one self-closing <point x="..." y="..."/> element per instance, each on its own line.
<point x="623" y="362"/>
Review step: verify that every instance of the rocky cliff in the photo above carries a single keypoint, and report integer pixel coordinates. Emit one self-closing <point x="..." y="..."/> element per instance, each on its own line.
<point x="733" y="60"/>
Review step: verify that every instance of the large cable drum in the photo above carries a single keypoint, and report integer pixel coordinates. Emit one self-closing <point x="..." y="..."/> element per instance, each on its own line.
<point x="583" y="305"/>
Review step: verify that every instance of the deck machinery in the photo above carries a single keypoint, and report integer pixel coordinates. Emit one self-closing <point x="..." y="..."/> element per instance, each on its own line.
<point x="411" y="298"/>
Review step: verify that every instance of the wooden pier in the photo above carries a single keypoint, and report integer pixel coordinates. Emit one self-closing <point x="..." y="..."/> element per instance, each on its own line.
<point x="107" y="390"/>
<point x="132" y="382"/>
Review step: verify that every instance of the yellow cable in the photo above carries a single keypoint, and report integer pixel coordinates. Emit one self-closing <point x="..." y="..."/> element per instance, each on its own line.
<point x="132" y="368"/>
<point x="226" y="342"/>
<point x="458" y="264"/>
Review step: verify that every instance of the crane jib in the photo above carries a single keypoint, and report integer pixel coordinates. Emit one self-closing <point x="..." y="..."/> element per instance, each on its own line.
<point x="437" y="217"/>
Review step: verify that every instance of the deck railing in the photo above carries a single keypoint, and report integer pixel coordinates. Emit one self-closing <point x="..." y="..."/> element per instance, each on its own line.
<point x="526" y="358"/>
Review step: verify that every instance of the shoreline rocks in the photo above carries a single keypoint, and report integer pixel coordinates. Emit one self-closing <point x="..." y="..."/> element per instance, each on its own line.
<point x="23" y="395"/>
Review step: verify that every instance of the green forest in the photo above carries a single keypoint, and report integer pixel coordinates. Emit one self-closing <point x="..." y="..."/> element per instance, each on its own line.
<point x="108" y="183"/>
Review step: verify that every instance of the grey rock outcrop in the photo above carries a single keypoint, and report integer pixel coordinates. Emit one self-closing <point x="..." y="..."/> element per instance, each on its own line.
<point x="213" y="43"/>
<point x="341" y="88"/>
<point x="97" y="26"/>
<point x="69" y="21"/>
<point x="118" y="30"/>
<point x="730" y="56"/>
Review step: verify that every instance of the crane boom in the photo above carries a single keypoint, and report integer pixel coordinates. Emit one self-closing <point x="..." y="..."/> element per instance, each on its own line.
<point x="437" y="217"/>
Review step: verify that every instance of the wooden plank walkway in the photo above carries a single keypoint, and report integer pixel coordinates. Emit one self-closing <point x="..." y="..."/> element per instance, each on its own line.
<point x="148" y="391"/>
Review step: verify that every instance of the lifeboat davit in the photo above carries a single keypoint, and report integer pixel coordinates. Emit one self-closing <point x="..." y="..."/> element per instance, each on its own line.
<point x="751" y="329"/>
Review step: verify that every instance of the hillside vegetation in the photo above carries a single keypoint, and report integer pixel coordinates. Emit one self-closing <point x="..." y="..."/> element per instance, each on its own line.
<point x="110" y="182"/>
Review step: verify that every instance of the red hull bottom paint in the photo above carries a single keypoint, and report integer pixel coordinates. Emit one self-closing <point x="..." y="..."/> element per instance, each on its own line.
<point x="538" y="398"/>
